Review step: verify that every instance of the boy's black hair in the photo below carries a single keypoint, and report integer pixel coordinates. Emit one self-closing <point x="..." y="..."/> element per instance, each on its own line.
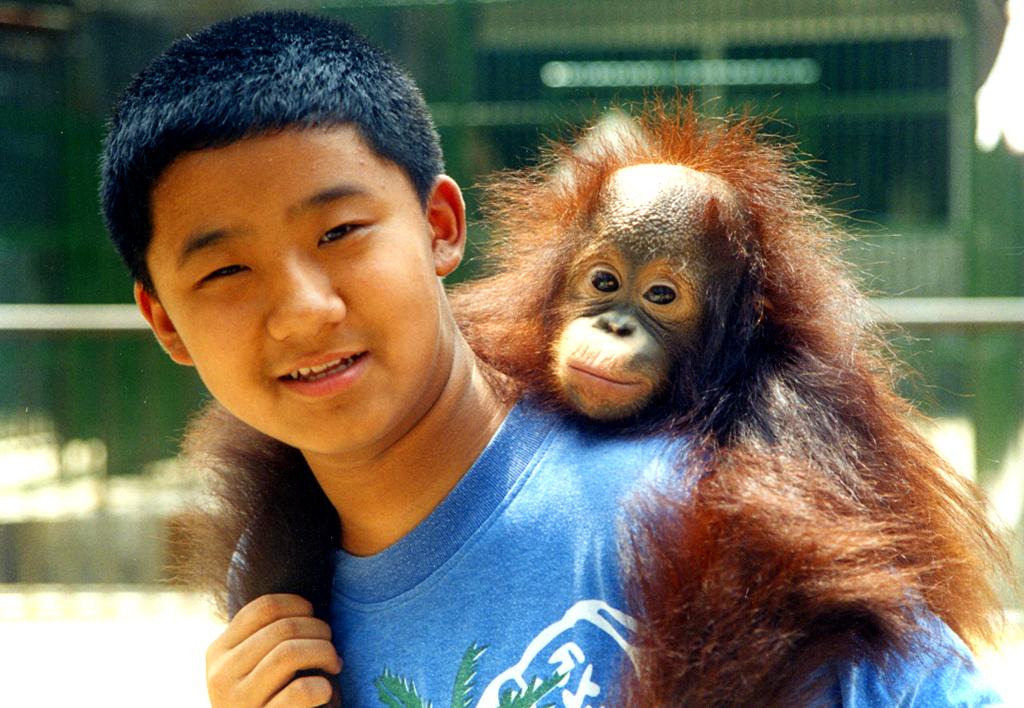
<point x="248" y="76"/>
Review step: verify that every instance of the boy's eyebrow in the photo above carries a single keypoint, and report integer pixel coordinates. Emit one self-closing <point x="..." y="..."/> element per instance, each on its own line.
<point x="199" y="241"/>
<point x="202" y="240"/>
<point x="326" y="196"/>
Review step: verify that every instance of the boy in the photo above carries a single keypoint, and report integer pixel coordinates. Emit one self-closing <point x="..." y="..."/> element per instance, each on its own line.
<point x="275" y="186"/>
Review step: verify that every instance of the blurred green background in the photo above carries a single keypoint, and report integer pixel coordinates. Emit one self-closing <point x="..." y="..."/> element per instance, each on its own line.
<point x="880" y="94"/>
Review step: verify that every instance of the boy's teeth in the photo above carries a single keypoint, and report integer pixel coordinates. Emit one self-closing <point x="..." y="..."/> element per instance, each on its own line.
<point x="312" y="373"/>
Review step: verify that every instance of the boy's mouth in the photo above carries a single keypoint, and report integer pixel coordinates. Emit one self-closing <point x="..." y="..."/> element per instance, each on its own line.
<point x="321" y="371"/>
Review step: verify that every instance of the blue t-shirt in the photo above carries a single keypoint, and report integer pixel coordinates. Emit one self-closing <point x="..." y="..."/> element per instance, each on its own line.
<point x="510" y="592"/>
<point x="939" y="671"/>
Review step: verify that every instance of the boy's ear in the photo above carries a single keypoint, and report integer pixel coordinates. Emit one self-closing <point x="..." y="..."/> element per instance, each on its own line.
<point x="446" y="213"/>
<point x="160" y="323"/>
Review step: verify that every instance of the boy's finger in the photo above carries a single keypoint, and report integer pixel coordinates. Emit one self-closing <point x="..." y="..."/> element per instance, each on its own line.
<point x="306" y="691"/>
<point x="261" y="612"/>
<point x="278" y="668"/>
<point x="247" y="655"/>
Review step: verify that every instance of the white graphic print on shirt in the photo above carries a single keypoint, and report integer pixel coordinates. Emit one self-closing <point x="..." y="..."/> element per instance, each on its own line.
<point x="554" y="667"/>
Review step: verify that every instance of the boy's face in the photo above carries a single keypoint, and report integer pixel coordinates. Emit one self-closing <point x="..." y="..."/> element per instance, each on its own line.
<point x="279" y="255"/>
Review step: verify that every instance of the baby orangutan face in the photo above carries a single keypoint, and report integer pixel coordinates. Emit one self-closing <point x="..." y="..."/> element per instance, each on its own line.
<point x="634" y="300"/>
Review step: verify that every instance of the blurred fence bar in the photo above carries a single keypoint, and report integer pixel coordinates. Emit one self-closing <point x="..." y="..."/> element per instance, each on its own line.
<point x="983" y="313"/>
<point x="70" y="318"/>
<point x="930" y="312"/>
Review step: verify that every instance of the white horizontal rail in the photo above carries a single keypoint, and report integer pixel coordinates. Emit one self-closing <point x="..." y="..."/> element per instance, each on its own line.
<point x="951" y="312"/>
<point x="70" y="318"/>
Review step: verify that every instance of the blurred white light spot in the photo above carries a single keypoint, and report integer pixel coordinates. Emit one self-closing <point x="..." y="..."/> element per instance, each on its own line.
<point x="953" y="439"/>
<point x="1007" y="490"/>
<point x="83" y="457"/>
<point x="28" y="459"/>
<point x="1000" y="100"/>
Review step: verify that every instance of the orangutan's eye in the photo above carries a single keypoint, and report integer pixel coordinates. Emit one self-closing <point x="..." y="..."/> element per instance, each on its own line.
<point x="660" y="294"/>
<point x="604" y="281"/>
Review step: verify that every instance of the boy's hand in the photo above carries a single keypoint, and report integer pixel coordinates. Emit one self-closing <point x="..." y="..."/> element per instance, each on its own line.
<point x="254" y="662"/>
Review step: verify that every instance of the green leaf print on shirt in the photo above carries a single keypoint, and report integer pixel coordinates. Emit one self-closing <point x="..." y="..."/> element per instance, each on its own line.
<point x="462" y="693"/>
<point x="530" y="696"/>
<point x="395" y="691"/>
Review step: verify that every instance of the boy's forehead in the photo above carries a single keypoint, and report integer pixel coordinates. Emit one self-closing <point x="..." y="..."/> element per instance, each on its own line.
<point x="282" y="165"/>
<point x="281" y="173"/>
<point x="295" y="148"/>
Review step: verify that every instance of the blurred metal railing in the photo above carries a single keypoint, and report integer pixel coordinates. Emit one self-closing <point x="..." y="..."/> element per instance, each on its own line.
<point x="933" y="312"/>
<point x="70" y="318"/>
<point x="952" y="312"/>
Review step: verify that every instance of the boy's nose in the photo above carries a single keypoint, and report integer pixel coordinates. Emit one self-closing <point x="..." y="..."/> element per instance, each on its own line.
<point x="304" y="301"/>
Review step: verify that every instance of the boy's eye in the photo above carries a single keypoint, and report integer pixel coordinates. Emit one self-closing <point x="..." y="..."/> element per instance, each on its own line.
<point x="222" y="272"/>
<point x="339" y="232"/>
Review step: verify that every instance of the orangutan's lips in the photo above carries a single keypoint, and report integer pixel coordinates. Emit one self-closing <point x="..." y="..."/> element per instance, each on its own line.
<point x="315" y="373"/>
<point x="602" y="375"/>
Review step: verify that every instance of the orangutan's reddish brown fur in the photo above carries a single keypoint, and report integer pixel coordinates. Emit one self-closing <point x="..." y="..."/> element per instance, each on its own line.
<point x="822" y="520"/>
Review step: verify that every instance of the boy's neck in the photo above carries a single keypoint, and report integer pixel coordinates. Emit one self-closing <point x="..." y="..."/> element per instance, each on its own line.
<point x="382" y="498"/>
